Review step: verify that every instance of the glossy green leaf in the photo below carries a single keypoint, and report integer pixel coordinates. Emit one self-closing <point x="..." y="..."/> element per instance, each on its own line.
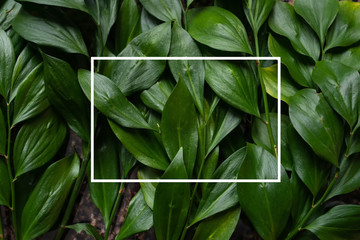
<point x="156" y="96"/>
<point x="257" y="12"/>
<point x="348" y="180"/>
<point x="235" y="83"/>
<point x="31" y="98"/>
<point x="87" y="228"/>
<point x="355" y="143"/>
<point x="317" y="124"/>
<point x="165" y="10"/>
<point x="299" y="67"/>
<point x="349" y="57"/>
<point x="127" y="162"/>
<point x="270" y="78"/>
<point x="267" y="205"/>
<point x="111" y="101"/>
<point x="5" y="190"/>
<point x="44" y="205"/>
<point x="104" y="13"/>
<point x="37" y="142"/>
<point x="318" y="14"/>
<point x="340" y="85"/>
<point x="148" y="188"/>
<point x="172" y="201"/>
<point x="54" y="30"/>
<point x="221" y="196"/>
<point x="148" y="21"/>
<point x="260" y="136"/>
<point x="67" y="96"/>
<point x="17" y="41"/>
<point x="218" y="28"/>
<point x="139" y="218"/>
<point x="127" y="24"/>
<point x="218" y="227"/>
<point x="8" y="11"/>
<point x="106" y="166"/>
<point x="76" y="4"/>
<point x="345" y="29"/>
<point x="7" y="64"/>
<point x="179" y="126"/>
<point x="136" y="75"/>
<point x="286" y="22"/>
<point x="143" y="145"/>
<point x="25" y="63"/>
<point x="3" y="133"/>
<point x="192" y="72"/>
<point x="341" y="222"/>
<point x="312" y="170"/>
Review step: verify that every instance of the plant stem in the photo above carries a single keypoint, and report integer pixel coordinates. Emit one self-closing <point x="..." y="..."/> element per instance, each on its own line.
<point x="114" y="209"/>
<point x="74" y="194"/>
<point x="184" y="13"/>
<point x="8" y="163"/>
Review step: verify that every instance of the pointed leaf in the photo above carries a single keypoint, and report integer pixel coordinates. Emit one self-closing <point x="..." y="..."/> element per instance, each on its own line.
<point x="156" y="96"/>
<point x="7" y="64"/>
<point x="8" y="11"/>
<point x="165" y="10"/>
<point x="76" y="4"/>
<point x="52" y="29"/>
<point x="317" y="124"/>
<point x="139" y="218"/>
<point x="314" y="14"/>
<point x="235" y="83"/>
<point x="267" y="205"/>
<point x="286" y="22"/>
<point x="87" y="228"/>
<point x="218" y="28"/>
<point x="340" y="85"/>
<point x="349" y="57"/>
<point x="257" y="12"/>
<point x="179" y="126"/>
<point x="192" y="72"/>
<point x="44" y="205"/>
<point x="172" y="201"/>
<point x="5" y="190"/>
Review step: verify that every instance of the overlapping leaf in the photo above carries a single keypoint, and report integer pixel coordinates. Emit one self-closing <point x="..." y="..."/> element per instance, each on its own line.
<point x="7" y="64"/>
<point x="165" y="10"/>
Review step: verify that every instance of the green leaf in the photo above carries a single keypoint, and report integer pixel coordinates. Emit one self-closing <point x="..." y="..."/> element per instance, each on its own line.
<point x="165" y="10"/>
<point x="67" y="96"/>
<point x="148" y="188"/>
<point x="52" y="29"/>
<point x="192" y="72"/>
<point x="106" y="166"/>
<point x="179" y="126"/>
<point x="37" y="142"/>
<point x="127" y="24"/>
<point x="349" y="57"/>
<point x="87" y="228"/>
<point x="76" y="4"/>
<point x="147" y="21"/>
<point x="111" y="101"/>
<point x="285" y="22"/>
<point x="25" y="63"/>
<point x="5" y="190"/>
<point x="257" y="12"/>
<point x="218" y="227"/>
<point x="310" y="169"/>
<point x="156" y="96"/>
<point x="317" y="124"/>
<point x="44" y="205"/>
<point x="8" y="11"/>
<point x="31" y="98"/>
<point x="7" y="64"/>
<point x="139" y="218"/>
<point x="3" y="134"/>
<point x="267" y="205"/>
<point x="220" y="196"/>
<point x="340" y="85"/>
<point x="348" y="180"/>
<point x="299" y="67"/>
<point x="104" y="13"/>
<point x="172" y="201"/>
<point x="218" y="28"/>
<point x="235" y="83"/>
<point x="270" y="78"/>
<point x="341" y="222"/>
<point x="345" y="29"/>
<point x="136" y="75"/>
<point x="318" y="14"/>
<point x="260" y="136"/>
<point x="143" y="144"/>
<point x="127" y="161"/>
<point x="355" y="143"/>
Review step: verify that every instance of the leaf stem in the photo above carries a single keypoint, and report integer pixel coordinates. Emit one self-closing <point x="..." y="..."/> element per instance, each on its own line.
<point x="184" y="13"/>
<point x="114" y="209"/>
<point x="74" y="194"/>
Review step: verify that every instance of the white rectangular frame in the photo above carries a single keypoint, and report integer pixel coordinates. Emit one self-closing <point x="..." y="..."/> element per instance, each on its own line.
<point x="278" y="179"/>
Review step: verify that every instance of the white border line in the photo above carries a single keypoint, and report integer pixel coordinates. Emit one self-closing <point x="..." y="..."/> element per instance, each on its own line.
<point x="278" y="179"/>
